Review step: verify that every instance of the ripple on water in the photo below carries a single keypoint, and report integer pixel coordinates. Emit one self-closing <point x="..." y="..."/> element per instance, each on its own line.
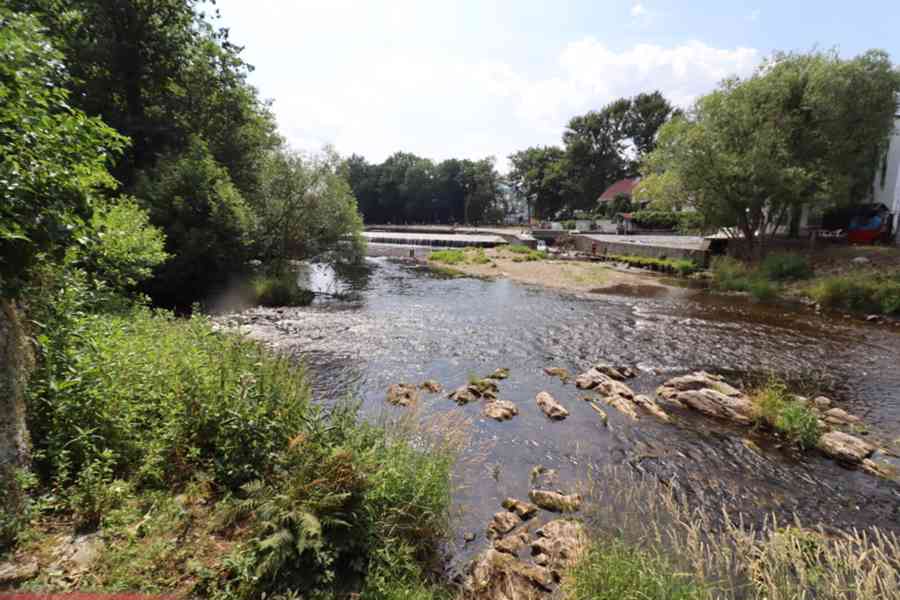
<point x="407" y="324"/>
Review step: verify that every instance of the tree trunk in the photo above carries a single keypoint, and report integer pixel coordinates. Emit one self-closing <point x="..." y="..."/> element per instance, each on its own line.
<point x="16" y="361"/>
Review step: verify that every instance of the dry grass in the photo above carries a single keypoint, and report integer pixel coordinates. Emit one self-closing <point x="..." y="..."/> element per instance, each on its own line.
<point x="731" y="560"/>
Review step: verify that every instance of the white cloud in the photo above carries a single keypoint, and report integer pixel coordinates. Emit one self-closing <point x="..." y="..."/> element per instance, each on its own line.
<point x="754" y="16"/>
<point x="638" y="10"/>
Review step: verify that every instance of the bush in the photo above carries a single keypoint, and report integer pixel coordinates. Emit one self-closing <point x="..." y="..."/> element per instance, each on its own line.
<point x="279" y="290"/>
<point x="655" y="219"/>
<point x="681" y="266"/>
<point x="611" y="570"/>
<point x="448" y="257"/>
<point x="863" y="292"/>
<point x="785" y="267"/>
<point x="157" y="399"/>
<point x="206" y="222"/>
<point x="777" y="409"/>
<point x="730" y="274"/>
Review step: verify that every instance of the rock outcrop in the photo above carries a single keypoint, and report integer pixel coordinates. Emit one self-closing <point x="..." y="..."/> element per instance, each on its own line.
<point x="524" y="510"/>
<point x="845" y="447"/>
<point x="403" y="394"/>
<point x="551" y="407"/>
<point x="500" y="410"/>
<point x="498" y="374"/>
<point x="431" y="386"/>
<point x="647" y="403"/>
<point x="555" y="501"/>
<point x="559" y="544"/>
<point x="623" y="405"/>
<point x="560" y="372"/>
<point x="503" y="522"/>
<point x="462" y="395"/>
<point x="710" y="395"/>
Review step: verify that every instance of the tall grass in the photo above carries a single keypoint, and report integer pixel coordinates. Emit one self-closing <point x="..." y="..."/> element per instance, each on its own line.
<point x="732" y="275"/>
<point x="865" y="292"/>
<point x="452" y="256"/>
<point x="130" y="410"/>
<point x="776" y="408"/>
<point x="717" y="557"/>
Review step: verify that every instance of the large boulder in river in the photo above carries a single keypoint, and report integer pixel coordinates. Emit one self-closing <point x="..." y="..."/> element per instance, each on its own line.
<point x="651" y="407"/>
<point x="560" y="372"/>
<point x="623" y="405"/>
<point x="499" y="374"/>
<point x="550" y="406"/>
<point x="710" y="395"/>
<point x="617" y="373"/>
<point x="500" y="410"/>
<point x="845" y="447"/>
<point x="593" y="379"/>
<point x="503" y="522"/>
<point x="402" y="394"/>
<point x="559" y="544"/>
<point x="554" y="501"/>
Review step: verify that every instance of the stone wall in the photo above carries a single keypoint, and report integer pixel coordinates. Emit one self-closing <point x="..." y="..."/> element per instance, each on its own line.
<point x="586" y="244"/>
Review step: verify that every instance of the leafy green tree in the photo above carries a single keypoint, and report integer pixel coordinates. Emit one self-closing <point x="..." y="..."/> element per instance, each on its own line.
<point x="540" y="175"/>
<point x="159" y="73"/>
<point x="53" y="157"/>
<point x="124" y="248"/>
<point x="306" y="210"/>
<point x="207" y="223"/>
<point x="758" y="149"/>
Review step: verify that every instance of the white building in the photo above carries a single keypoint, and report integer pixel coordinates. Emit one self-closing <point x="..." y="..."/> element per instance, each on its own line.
<point x="887" y="181"/>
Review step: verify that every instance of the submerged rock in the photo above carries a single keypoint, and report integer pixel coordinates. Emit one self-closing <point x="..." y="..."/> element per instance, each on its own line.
<point x="821" y="402"/>
<point x="432" y="386"/>
<point x="403" y="394"/>
<point x="554" y="501"/>
<point x="623" y="405"/>
<point x="483" y="386"/>
<point x="524" y="510"/>
<point x="560" y="372"/>
<point x="501" y="410"/>
<point x="651" y="407"/>
<point x="462" y="395"/>
<point x="617" y="373"/>
<point x="845" y="447"/>
<point x="550" y="406"/>
<point x="499" y="374"/>
<point x="603" y="416"/>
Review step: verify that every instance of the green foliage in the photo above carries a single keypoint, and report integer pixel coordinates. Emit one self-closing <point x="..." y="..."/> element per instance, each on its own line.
<point x="206" y="221"/>
<point x="518" y="249"/>
<point x="796" y="123"/>
<point x="406" y="188"/>
<point x="776" y="408"/>
<point x="156" y="399"/>
<point x="733" y="275"/>
<point x="785" y="267"/>
<point x="306" y="210"/>
<point x="52" y="157"/>
<point x="611" y="570"/>
<point x="279" y="290"/>
<point x="448" y="257"/>
<point x="123" y="248"/>
<point x="453" y="256"/>
<point x="15" y="506"/>
<point x="540" y="174"/>
<point x="865" y="292"/>
<point x="655" y="219"/>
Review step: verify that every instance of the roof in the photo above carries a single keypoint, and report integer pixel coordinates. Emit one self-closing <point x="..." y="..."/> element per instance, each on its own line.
<point x="623" y="186"/>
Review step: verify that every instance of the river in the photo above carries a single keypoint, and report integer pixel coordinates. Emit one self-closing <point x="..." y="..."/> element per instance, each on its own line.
<point x="399" y="322"/>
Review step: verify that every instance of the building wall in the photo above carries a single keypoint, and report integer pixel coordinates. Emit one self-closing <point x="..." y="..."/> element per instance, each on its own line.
<point x="887" y="189"/>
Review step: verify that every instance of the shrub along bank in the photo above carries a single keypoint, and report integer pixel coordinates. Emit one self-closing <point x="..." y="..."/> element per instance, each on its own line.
<point x="148" y="428"/>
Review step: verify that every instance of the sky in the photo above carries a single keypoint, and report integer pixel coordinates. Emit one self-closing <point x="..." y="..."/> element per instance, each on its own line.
<point x="479" y="78"/>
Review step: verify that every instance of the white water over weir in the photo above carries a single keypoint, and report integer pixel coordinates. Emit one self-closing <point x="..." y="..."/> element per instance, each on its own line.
<point x="441" y="240"/>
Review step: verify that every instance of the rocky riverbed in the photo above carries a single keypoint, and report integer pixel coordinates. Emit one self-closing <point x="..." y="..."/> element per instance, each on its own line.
<point x="444" y="336"/>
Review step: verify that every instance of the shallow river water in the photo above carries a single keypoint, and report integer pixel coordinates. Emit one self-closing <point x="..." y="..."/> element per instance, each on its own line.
<point x="404" y="323"/>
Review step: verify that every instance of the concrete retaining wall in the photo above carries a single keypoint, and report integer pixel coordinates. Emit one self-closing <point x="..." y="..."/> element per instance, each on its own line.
<point x="593" y="245"/>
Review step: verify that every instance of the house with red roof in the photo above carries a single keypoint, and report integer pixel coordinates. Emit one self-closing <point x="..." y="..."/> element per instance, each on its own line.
<point x="621" y="187"/>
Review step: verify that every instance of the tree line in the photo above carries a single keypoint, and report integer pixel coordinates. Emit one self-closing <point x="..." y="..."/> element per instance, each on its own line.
<point x="406" y="188"/>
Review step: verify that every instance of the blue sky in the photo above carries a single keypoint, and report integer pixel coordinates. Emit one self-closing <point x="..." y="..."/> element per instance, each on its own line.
<point x="476" y="78"/>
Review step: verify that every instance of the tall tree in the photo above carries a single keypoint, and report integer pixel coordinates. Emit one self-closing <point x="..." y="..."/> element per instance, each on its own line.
<point x="540" y="174"/>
